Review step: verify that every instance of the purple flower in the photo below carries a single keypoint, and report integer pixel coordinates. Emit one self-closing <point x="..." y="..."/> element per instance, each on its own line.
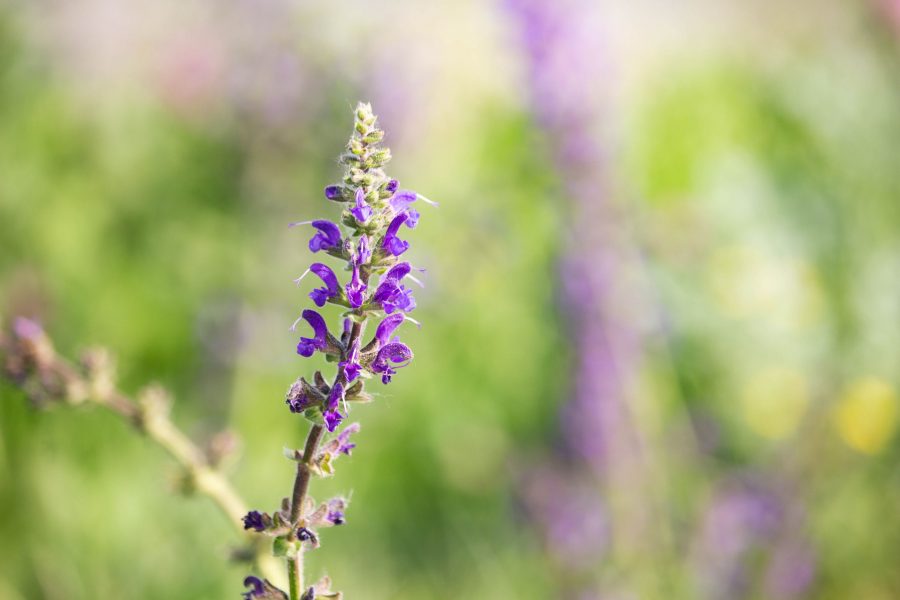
<point x="27" y="329"/>
<point x="343" y="438"/>
<point x="363" y="252"/>
<point x="356" y="289"/>
<point x="390" y="357"/>
<point x="394" y="296"/>
<point x="296" y="398"/>
<point x="351" y="366"/>
<point x="298" y="405"/>
<point x="332" y="417"/>
<point x="398" y="271"/>
<point x="254" y="520"/>
<point x="305" y="535"/>
<point x="391" y="294"/>
<point x="361" y="211"/>
<point x="387" y="327"/>
<point x="392" y="186"/>
<point x="328" y="236"/>
<point x="308" y="346"/>
<point x="257" y="590"/>
<point x="336" y="517"/>
<point x="262" y="590"/>
<point x="412" y="218"/>
<point x="334" y="192"/>
<point x="401" y="200"/>
<point x="391" y="242"/>
<point x="332" y="288"/>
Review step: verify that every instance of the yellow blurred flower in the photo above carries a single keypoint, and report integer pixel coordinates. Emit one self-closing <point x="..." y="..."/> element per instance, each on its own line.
<point x="774" y="400"/>
<point x="866" y="415"/>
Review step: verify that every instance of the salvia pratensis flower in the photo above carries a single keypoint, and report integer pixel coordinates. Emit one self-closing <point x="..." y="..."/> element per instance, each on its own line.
<point x="328" y="236"/>
<point x="363" y="252"/>
<point x="356" y="289"/>
<point x="351" y="366"/>
<point x="362" y="211"/>
<point x="297" y="397"/>
<point x="390" y="357"/>
<point x="374" y="209"/>
<point x="334" y="192"/>
<point x="386" y="328"/>
<point x="307" y="346"/>
<point x="332" y="416"/>
<point x="332" y="288"/>
<point x="262" y="589"/>
<point x="344" y="444"/>
<point x="391" y="242"/>
<point x="254" y="520"/>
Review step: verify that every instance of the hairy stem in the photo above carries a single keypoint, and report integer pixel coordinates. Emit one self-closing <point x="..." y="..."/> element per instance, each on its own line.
<point x="301" y="480"/>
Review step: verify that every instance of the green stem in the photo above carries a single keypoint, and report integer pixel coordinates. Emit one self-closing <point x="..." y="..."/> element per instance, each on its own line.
<point x="295" y="575"/>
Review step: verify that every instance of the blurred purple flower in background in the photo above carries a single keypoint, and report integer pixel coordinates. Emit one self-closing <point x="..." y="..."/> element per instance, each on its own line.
<point x="568" y="83"/>
<point x="752" y="523"/>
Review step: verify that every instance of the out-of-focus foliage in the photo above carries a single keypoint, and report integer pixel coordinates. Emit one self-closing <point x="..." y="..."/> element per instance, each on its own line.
<point x="151" y="160"/>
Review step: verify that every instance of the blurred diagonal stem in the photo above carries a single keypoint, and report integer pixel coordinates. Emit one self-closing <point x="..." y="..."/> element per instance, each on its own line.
<point x="31" y="362"/>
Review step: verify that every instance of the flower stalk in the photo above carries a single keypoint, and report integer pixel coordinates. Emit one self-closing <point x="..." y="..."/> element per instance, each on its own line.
<point x="367" y="240"/>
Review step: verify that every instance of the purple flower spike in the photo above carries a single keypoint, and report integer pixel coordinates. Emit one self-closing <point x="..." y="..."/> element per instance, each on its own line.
<point x="361" y="211"/>
<point x="351" y="366"/>
<point x="328" y="236"/>
<point x="332" y="288"/>
<point x="356" y="289"/>
<point x="387" y="327"/>
<point x="254" y="520"/>
<point x="334" y="192"/>
<point x="391" y="357"/>
<point x="308" y="346"/>
<point x="344" y="438"/>
<point x="391" y="242"/>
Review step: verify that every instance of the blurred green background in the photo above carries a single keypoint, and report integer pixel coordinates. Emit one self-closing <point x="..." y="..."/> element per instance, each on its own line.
<point x="152" y="154"/>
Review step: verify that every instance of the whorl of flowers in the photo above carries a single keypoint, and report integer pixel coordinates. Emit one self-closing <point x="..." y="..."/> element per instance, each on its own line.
<point x="368" y="246"/>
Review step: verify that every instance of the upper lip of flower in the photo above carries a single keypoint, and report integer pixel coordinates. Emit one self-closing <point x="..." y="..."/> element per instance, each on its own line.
<point x="308" y="346"/>
<point x="328" y="236"/>
<point x="332" y="288"/>
<point x="391" y="242"/>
